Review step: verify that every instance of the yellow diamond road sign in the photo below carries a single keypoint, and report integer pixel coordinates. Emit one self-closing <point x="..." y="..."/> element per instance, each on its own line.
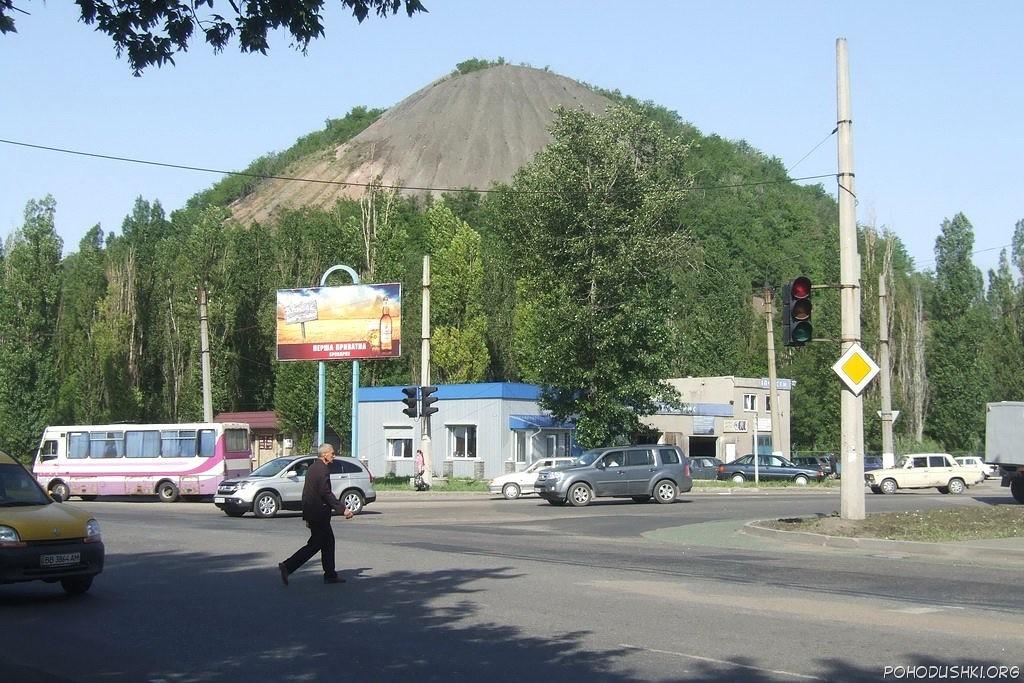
<point x="855" y="368"/>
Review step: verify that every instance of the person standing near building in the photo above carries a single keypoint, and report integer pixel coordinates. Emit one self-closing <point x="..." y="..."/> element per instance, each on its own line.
<point x="318" y="502"/>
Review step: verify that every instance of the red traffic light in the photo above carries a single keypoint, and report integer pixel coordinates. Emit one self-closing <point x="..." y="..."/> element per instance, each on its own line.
<point x="800" y="288"/>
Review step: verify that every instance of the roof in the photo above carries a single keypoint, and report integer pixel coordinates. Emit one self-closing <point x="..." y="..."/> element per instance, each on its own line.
<point x="258" y="419"/>
<point x="447" y="392"/>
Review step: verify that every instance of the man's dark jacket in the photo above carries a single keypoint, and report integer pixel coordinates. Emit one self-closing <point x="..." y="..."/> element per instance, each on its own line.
<point x="318" y="501"/>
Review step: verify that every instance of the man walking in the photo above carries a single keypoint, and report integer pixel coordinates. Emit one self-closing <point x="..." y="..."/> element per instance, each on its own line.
<point x="318" y="502"/>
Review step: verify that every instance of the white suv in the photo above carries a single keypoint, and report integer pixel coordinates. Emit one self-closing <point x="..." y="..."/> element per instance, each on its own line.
<point x="516" y="484"/>
<point x="277" y="485"/>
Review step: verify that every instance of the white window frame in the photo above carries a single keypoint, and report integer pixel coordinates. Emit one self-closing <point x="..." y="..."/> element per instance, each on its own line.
<point x="392" y="434"/>
<point x="518" y="436"/>
<point x="450" y="440"/>
<point x="750" y="403"/>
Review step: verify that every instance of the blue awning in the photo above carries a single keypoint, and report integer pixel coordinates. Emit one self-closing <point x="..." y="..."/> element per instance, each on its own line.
<point x="537" y="422"/>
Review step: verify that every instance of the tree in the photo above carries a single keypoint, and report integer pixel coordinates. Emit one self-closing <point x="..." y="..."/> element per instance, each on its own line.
<point x="958" y="368"/>
<point x="458" y="323"/>
<point x="593" y="220"/>
<point x="153" y="31"/>
<point x="28" y="315"/>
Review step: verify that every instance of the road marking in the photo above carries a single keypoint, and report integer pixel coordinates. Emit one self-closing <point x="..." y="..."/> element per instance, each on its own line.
<point x="924" y="610"/>
<point x="721" y="661"/>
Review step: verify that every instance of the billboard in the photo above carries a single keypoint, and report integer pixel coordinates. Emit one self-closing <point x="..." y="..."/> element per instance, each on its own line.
<point x="354" y="322"/>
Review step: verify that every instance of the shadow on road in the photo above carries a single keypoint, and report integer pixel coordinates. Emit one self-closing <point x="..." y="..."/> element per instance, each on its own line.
<point x="204" y="617"/>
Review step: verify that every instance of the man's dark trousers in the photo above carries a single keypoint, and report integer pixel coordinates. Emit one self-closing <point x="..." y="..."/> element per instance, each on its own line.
<point x="321" y="539"/>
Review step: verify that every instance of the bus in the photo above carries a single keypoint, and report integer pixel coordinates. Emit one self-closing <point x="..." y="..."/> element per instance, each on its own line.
<point x="162" y="460"/>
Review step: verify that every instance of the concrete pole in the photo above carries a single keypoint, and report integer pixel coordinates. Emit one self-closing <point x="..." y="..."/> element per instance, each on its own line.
<point x="428" y="466"/>
<point x="204" y="354"/>
<point x="773" y="391"/>
<point x="851" y="406"/>
<point x="884" y="376"/>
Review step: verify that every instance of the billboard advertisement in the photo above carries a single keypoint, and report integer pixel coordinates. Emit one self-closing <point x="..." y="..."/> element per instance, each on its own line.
<point x="354" y="322"/>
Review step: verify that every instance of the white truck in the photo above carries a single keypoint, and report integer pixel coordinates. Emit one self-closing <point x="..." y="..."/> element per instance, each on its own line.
<point x="1004" y="443"/>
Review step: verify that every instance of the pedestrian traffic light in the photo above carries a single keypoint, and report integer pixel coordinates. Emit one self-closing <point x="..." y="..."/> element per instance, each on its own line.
<point x="796" y="312"/>
<point x="427" y="401"/>
<point x="409" y="401"/>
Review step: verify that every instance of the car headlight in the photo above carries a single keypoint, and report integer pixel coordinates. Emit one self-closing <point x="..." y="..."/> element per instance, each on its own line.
<point x="92" y="531"/>
<point x="9" y="537"/>
<point x="869" y="477"/>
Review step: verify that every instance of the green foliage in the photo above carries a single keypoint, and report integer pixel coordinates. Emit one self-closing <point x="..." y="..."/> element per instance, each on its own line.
<point x="958" y="370"/>
<point x="335" y="132"/>
<point x="29" y="306"/>
<point x="593" y="218"/>
<point x="152" y="32"/>
<point x="471" y="65"/>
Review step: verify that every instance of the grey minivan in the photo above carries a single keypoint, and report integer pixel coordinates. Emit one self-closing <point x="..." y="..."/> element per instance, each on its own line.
<point x="641" y="472"/>
<point x="277" y="485"/>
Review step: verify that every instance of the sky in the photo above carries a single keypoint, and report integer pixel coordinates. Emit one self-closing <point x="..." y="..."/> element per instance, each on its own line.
<point x="936" y="92"/>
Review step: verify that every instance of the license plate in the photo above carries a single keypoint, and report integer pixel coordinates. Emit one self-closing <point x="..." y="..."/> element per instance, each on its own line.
<point x="218" y="499"/>
<point x="59" y="560"/>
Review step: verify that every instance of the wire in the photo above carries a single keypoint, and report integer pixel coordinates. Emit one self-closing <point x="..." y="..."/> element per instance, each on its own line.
<point x="979" y="251"/>
<point x="823" y="140"/>
<point x="261" y="176"/>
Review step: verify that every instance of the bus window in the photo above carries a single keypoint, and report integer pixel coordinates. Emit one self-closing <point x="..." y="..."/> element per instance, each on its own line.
<point x="78" y="445"/>
<point x="142" y="444"/>
<point x="236" y="440"/>
<point x="206" y="443"/>
<point x="106" y="445"/>
<point x="48" y="451"/>
<point x="178" y="443"/>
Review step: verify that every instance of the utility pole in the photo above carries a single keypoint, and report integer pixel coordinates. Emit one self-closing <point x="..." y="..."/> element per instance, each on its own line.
<point x="773" y="391"/>
<point x="888" y="454"/>
<point x="204" y="355"/>
<point x="851" y="405"/>
<point x="428" y="474"/>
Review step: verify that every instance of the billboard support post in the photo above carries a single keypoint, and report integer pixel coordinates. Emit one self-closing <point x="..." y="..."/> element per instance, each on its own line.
<point x="321" y="415"/>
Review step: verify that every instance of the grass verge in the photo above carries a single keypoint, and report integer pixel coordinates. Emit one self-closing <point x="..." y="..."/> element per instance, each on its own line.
<point x="950" y="524"/>
<point x="450" y="485"/>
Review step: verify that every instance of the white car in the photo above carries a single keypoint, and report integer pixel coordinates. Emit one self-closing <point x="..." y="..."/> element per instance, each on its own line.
<point x="921" y="471"/>
<point x="515" y="484"/>
<point x="973" y="462"/>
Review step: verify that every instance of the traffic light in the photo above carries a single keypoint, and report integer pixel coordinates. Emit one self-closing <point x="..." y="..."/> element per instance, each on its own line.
<point x="796" y="312"/>
<point x="409" y="401"/>
<point x="427" y="401"/>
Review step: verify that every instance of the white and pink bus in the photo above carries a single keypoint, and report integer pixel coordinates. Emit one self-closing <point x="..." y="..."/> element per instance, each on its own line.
<point x="165" y="460"/>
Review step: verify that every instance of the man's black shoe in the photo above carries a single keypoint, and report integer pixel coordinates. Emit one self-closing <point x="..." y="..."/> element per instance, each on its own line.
<point x="284" y="573"/>
<point x="333" y="579"/>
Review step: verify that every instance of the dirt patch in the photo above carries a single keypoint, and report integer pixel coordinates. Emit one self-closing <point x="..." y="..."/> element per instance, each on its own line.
<point x="955" y="524"/>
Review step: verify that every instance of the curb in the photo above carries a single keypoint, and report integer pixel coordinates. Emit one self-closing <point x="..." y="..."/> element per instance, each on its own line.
<point x="952" y="549"/>
<point x="696" y="490"/>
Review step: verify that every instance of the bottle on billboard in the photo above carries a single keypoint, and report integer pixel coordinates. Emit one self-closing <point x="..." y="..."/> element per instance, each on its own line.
<point x="385" y="328"/>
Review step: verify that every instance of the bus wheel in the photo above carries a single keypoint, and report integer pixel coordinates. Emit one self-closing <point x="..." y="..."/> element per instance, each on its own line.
<point x="167" y="492"/>
<point x="59" y="488"/>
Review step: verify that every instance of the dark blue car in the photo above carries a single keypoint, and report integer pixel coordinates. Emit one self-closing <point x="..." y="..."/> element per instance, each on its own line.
<point x="769" y="468"/>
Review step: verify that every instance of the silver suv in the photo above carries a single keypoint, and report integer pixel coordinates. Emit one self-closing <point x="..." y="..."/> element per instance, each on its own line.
<point x="277" y="485"/>
<point x="638" y="472"/>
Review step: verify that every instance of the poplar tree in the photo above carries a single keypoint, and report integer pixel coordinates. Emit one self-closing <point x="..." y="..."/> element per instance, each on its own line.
<point x="958" y="369"/>
<point x="28" y="318"/>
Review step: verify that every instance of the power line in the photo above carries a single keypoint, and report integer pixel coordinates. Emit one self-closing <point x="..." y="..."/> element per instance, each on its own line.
<point x="813" y="149"/>
<point x="319" y="181"/>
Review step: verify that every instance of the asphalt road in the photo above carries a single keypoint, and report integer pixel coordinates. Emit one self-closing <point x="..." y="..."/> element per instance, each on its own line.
<point x="512" y="590"/>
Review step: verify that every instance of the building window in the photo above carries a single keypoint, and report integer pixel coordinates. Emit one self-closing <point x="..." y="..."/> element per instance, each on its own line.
<point x="768" y="403"/>
<point x="400" y="447"/>
<point x="520" y="446"/>
<point x="750" y="403"/>
<point x="462" y="441"/>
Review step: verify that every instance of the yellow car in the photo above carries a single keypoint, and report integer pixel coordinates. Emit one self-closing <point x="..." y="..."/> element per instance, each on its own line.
<point x="41" y="539"/>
